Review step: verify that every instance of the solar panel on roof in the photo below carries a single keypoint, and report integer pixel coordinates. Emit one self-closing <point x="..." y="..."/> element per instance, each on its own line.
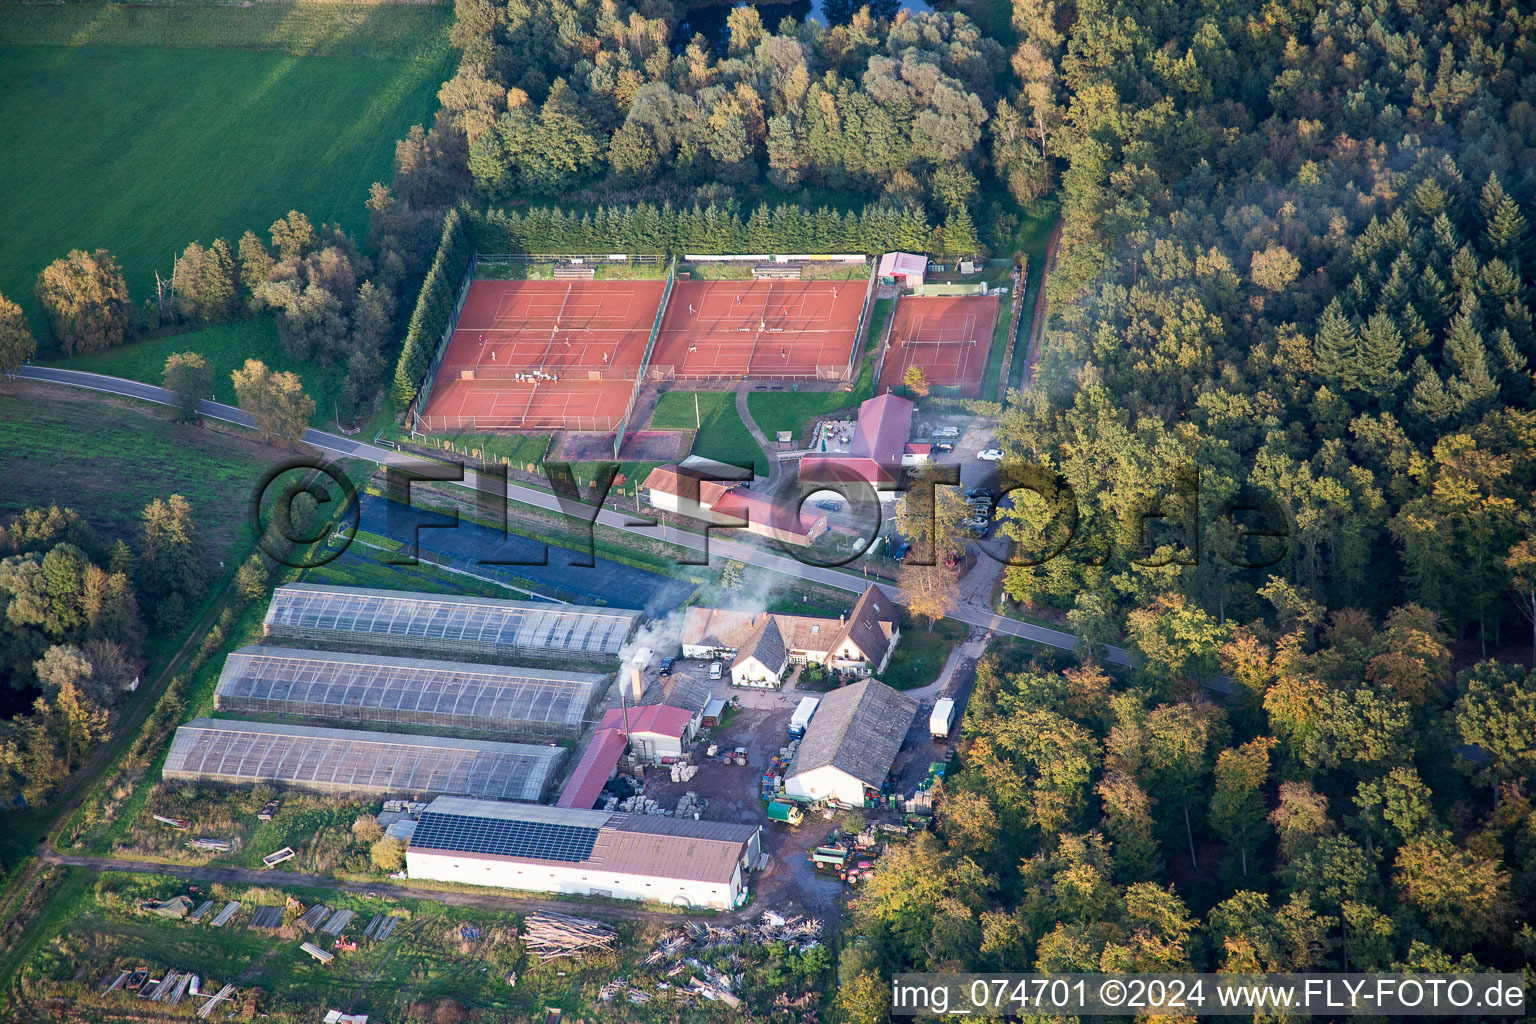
<point x="504" y="838"/>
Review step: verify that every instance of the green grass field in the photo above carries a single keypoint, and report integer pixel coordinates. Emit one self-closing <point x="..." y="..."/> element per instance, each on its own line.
<point x="226" y="347"/>
<point x="920" y="655"/>
<point x="721" y="434"/>
<point x="141" y="129"/>
<point x="108" y="459"/>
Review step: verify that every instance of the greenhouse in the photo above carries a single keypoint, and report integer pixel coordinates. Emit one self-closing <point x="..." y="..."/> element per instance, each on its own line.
<point x="529" y="702"/>
<point x="342" y="761"/>
<point x="449" y="623"/>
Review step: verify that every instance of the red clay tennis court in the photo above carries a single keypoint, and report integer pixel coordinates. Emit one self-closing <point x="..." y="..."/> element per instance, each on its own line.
<point x="544" y="355"/>
<point x="947" y="336"/>
<point x="774" y="329"/>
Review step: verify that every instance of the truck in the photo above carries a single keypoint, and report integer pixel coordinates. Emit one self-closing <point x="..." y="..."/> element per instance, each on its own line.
<point x="780" y="810"/>
<point x="801" y="719"/>
<point x="942" y="718"/>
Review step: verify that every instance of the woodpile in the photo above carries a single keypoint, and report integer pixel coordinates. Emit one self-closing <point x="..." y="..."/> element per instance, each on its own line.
<point x="550" y="936"/>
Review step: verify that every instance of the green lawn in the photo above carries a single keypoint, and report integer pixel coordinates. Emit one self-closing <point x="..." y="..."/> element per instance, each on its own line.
<point x="226" y="347"/>
<point x="790" y="411"/>
<point x="156" y="127"/>
<point x="920" y="654"/>
<point x="721" y="434"/>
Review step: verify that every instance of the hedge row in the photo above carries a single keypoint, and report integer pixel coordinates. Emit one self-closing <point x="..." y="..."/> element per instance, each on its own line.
<point x="439" y="292"/>
<point x="663" y="230"/>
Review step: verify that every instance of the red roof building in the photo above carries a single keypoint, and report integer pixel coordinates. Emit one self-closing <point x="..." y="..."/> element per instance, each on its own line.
<point x="678" y="489"/>
<point x="598" y="762"/>
<point x="655" y="730"/>
<point x="876" y="449"/>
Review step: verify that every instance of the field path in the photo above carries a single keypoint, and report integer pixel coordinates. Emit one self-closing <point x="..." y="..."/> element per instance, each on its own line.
<point x="334" y="444"/>
<point x="761" y="439"/>
<point x="487" y="900"/>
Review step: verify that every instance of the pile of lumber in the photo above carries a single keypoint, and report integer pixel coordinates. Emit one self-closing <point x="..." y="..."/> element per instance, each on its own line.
<point x="550" y="936"/>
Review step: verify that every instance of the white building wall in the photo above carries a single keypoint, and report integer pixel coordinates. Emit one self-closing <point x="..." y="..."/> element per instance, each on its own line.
<point x="755" y="674"/>
<point x="577" y="880"/>
<point x="824" y="783"/>
<point x="651" y="744"/>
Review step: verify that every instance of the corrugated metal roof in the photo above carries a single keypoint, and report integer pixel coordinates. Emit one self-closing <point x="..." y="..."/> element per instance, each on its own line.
<point x="639" y="844"/>
<point x="858" y="729"/>
<point x="658" y="719"/>
<point x="598" y="761"/>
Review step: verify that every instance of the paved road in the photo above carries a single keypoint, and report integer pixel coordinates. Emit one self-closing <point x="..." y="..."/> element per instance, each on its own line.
<point x="245" y="876"/>
<point x="694" y="544"/>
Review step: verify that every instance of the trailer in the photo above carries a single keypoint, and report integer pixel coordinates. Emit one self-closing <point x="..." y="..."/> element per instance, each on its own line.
<point x="779" y="810"/>
<point x="942" y="718"/>
<point x="834" y="856"/>
<point x="801" y="720"/>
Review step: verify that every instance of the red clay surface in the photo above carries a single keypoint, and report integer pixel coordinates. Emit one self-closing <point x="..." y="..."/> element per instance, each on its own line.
<point x="759" y="329"/>
<point x="949" y="337"/>
<point x="544" y="355"/>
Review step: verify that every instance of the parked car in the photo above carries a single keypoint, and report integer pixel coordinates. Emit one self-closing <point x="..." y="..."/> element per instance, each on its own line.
<point x="901" y="550"/>
<point x="978" y="492"/>
<point x="990" y="455"/>
<point x="666" y="665"/>
<point x="829" y="505"/>
<point x="715" y="671"/>
<point x="945" y="432"/>
<point x="943" y="447"/>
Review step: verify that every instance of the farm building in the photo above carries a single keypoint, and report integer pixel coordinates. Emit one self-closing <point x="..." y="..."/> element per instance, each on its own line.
<point x="590" y="853"/>
<point x="599" y="761"/>
<point x="851" y="643"/>
<point x="344" y="761"/>
<point x="655" y="730"/>
<point x="850" y="744"/>
<point x="448" y="623"/>
<point x="528" y="702"/>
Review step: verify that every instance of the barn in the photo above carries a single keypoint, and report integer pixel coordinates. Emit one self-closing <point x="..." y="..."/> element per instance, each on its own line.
<point x="851" y="744"/>
<point x="677" y="861"/>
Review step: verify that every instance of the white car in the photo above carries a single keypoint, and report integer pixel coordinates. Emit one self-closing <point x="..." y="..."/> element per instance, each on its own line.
<point x="715" y="671"/>
<point x="990" y="455"/>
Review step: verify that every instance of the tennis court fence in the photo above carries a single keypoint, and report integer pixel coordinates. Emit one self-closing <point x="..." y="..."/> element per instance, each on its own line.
<point x="834" y="372"/>
<point x="522" y="371"/>
<point x="466" y="424"/>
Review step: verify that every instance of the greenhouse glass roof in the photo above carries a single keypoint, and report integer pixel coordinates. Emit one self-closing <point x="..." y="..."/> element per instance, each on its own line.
<point x="346" y="761"/>
<point x="398" y="616"/>
<point x="324" y="684"/>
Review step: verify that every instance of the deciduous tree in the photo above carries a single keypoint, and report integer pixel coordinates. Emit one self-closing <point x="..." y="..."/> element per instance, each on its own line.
<point x="16" y="342"/>
<point x="276" y="401"/>
<point x="189" y="378"/>
<point x="86" y="301"/>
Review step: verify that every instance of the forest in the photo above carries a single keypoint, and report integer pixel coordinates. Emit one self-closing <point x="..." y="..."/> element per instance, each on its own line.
<point x="1295" y="266"/>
